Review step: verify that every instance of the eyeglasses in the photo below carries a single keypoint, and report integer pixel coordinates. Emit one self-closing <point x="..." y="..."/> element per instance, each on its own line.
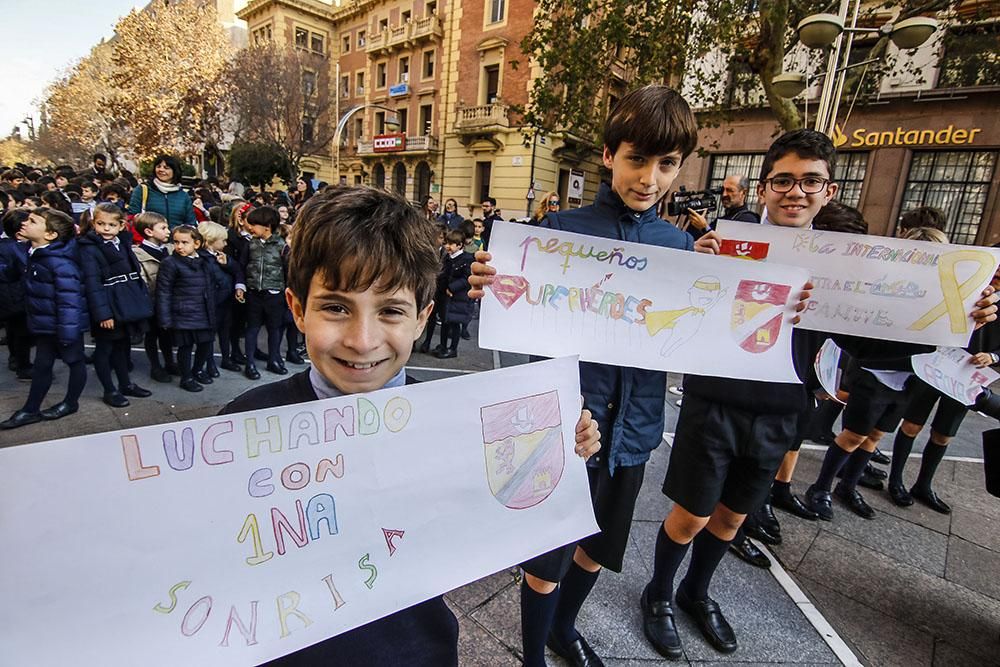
<point x="810" y="185"/>
<point x="553" y="202"/>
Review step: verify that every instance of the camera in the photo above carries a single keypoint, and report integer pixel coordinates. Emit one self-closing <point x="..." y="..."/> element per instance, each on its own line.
<point x="684" y="200"/>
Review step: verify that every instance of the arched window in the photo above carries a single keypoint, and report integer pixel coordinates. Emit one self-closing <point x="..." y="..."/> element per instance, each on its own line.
<point x="423" y="181"/>
<point x="378" y="175"/>
<point x="399" y="178"/>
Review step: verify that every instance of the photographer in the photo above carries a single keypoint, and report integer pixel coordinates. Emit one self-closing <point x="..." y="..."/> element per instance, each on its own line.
<point x="734" y="199"/>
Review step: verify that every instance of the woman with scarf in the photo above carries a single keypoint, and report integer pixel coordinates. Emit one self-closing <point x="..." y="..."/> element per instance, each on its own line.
<point x="162" y="194"/>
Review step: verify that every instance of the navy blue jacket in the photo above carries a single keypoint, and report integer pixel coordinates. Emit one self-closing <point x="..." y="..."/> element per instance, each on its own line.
<point x="185" y="292"/>
<point x="226" y="277"/>
<point x="451" y="220"/>
<point x="100" y="262"/>
<point x="626" y="403"/>
<point x="54" y="298"/>
<point x="454" y="276"/>
<point x="13" y="262"/>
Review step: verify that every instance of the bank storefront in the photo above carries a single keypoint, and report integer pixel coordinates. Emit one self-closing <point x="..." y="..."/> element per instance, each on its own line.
<point x="892" y="157"/>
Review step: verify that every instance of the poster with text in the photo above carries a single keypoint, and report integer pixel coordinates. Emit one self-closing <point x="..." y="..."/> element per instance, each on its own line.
<point x="236" y="539"/>
<point x="951" y="371"/>
<point x="875" y="286"/>
<point x="632" y="304"/>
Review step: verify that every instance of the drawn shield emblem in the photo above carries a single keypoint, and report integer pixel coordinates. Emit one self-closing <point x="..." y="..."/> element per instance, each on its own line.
<point x="756" y="315"/>
<point x="508" y="289"/>
<point x="524" y="449"/>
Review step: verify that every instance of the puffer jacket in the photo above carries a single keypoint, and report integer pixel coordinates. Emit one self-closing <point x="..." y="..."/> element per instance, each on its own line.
<point x="176" y="207"/>
<point x="101" y="262"/>
<point x="455" y="278"/>
<point x="54" y="297"/>
<point x="13" y="261"/>
<point x="185" y="293"/>
<point x="626" y="403"/>
<point x="265" y="267"/>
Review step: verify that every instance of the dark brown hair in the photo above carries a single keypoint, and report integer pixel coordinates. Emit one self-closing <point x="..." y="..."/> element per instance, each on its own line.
<point x="58" y="222"/>
<point x="807" y="144"/>
<point x="655" y="119"/>
<point x="146" y="220"/>
<point x="358" y="237"/>
<point x="922" y="216"/>
<point x="838" y="217"/>
<point x="190" y="230"/>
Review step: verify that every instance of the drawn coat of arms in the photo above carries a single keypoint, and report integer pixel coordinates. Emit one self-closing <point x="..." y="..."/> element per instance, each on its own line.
<point x="756" y="315"/>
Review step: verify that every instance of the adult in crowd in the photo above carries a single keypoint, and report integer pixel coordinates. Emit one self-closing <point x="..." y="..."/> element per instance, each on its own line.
<point x="163" y="194"/>
<point x="490" y="215"/>
<point x="303" y="191"/>
<point x="451" y="218"/>
<point x="547" y="204"/>
<point x="429" y="207"/>
<point x="734" y="199"/>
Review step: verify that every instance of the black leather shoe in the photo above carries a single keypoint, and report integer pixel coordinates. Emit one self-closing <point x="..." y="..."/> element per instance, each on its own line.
<point x="929" y="498"/>
<point x="758" y="532"/>
<point x="277" y="369"/>
<point x="238" y="357"/>
<point x="877" y="473"/>
<point x="136" y="391"/>
<point x="251" y="372"/>
<point x="708" y="616"/>
<point x="23" y="373"/>
<point x="748" y="551"/>
<point x="577" y="652"/>
<point x="820" y="502"/>
<point x="794" y="505"/>
<point x="213" y="371"/>
<point x="160" y="375"/>
<point x="466" y="335"/>
<point x="260" y="355"/>
<point x="172" y="368"/>
<point x="294" y="358"/>
<point x="446" y="354"/>
<point x="869" y="481"/>
<point x="191" y="385"/>
<point x="203" y="378"/>
<point x="767" y="520"/>
<point x="900" y="495"/>
<point x="230" y="365"/>
<point x="21" y="418"/>
<point x="880" y="458"/>
<point x="59" y="410"/>
<point x="115" y="399"/>
<point x="854" y="501"/>
<point x="659" y="626"/>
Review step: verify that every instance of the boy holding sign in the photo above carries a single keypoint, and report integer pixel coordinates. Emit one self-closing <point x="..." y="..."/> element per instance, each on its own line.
<point x="361" y="275"/>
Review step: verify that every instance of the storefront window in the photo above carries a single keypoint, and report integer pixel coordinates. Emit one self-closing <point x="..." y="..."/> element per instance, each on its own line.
<point x="957" y="182"/>
<point x="851" y="168"/>
<point x="736" y="164"/>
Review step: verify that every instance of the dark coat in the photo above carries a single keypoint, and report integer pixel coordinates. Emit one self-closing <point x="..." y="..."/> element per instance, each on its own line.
<point x="176" y="207"/>
<point x="185" y="293"/>
<point x="13" y="263"/>
<point x="451" y="220"/>
<point x="740" y="214"/>
<point x="226" y="277"/>
<point x="424" y="635"/>
<point x="238" y="252"/>
<point x="626" y="403"/>
<point x="454" y="277"/>
<point x="54" y="298"/>
<point x="100" y="262"/>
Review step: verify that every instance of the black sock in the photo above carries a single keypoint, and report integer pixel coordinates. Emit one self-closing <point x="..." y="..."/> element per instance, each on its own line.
<point x="573" y="590"/>
<point x="832" y="463"/>
<point x="855" y="467"/>
<point x="901" y="448"/>
<point x="782" y="490"/>
<point x="669" y="555"/>
<point x="706" y="554"/>
<point x="536" y="620"/>
<point x="929" y="464"/>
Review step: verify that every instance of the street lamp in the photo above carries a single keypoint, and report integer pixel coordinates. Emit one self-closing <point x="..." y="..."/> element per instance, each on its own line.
<point x="820" y="31"/>
<point x="391" y="122"/>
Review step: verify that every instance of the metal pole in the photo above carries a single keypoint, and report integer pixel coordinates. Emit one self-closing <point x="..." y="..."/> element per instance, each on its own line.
<point x="831" y="121"/>
<point x="831" y="68"/>
<point x="531" y="184"/>
<point x="336" y="114"/>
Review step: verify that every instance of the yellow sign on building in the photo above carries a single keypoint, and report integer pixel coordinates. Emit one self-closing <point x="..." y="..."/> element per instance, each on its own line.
<point x="902" y="136"/>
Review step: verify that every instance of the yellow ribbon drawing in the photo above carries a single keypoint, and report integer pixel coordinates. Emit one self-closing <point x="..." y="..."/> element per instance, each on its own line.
<point x="954" y="294"/>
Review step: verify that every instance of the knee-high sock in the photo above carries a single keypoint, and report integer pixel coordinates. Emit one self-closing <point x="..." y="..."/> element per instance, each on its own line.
<point x="855" y="467"/>
<point x="537" y="610"/>
<point x="929" y="464"/>
<point x="832" y="463"/>
<point x="573" y="590"/>
<point x="706" y="554"/>
<point x="669" y="555"/>
<point x="901" y="448"/>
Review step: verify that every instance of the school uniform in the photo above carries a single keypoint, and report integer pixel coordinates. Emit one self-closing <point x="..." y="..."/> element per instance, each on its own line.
<point x="457" y="309"/>
<point x="157" y="339"/>
<point x="424" y="635"/>
<point x="185" y="303"/>
<point x="237" y="250"/>
<point x="265" y="295"/>
<point x="13" y="263"/>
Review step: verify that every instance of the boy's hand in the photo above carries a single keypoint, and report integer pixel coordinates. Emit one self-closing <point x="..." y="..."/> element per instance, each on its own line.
<point x="482" y="275"/>
<point x="804" y="297"/>
<point x="108" y="323"/>
<point x="709" y="244"/>
<point x="986" y="309"/>
<point x="240" y="296"/>
<point x="221" y="257"/>
<point x="448" y="292"/>
<point x="982" y="360"/>
<point x="588" y="438"/>
<point x="698" y="219"/>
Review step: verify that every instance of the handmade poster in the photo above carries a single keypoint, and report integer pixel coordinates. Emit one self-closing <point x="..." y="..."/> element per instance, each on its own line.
<point x="827" y="366"/>
<point x="875" y="286"/>
<point x="632" y="304"/>
<point x="236" y="539"/>
<point x="951" y="371"/>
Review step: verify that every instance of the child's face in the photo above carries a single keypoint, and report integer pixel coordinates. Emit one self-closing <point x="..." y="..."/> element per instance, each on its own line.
<point x="796" y="208"/>
<point x="34" y="230"/>
<point x="358" y="341"/>
<point x="259" y="231"/>
<point x="641" y="180"/>
<point x="218" y="245"/>
<point x="283" y="213"/>
<point x="87" y="194"/>
<point x="61" y="182"/>
<point x="478" y="226"/>
<point x="184" y="244"/>
<point x="107" y="226"/>
<point x="160" y="232"/>
<point x="452" y="248"/>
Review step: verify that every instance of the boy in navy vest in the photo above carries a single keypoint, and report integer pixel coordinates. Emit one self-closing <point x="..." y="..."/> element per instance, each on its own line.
<point x="361" y="276"/>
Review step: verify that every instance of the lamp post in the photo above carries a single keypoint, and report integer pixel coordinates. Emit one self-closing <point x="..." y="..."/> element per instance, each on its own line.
<point x="393" y="122"/>
<point x="820" y="31"/>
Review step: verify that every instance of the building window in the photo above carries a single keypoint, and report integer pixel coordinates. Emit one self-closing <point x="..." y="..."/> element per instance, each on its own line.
<point x="491" y="84"/>
<point x="399" y="178"/>
<point x="404" y="17"/>
<point x="383" y="25"/>
<point x="301" y="38"/>
<point x="380" y="75"/>
<point x="497" y="8"/>
<point x="317" y="43"/>
<point x="957" y="182"/>
<point x="481" y="186"/>
<point x="307" y="129"/>
<point x="851" y="170"/>
<point x="357" y="179"/>
<point x="359" y="125"/>
<point x="426" y="119"/>
<point x="423" y="179"/>
<point x="345" y="85"/>
<point x="736" y="164"/>
<point x="428" y="64"/>
<point x="308" y="83"/>
<point x="359" y="79"/>
<point x="431" y="8"/>
<point x="403" y="118"/>
<point x="345" y="44"/>
<point x="361" y="39"/>
<point x="404" y="69"/>
<point x="378" y="176"/>
<point x="971" y="56"/>
<point x="379" y="122"/>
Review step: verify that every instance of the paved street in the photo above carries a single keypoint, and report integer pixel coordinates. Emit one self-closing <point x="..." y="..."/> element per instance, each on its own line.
<point x="910" y="588"/>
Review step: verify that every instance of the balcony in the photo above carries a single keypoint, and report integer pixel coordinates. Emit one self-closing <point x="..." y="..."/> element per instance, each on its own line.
<point x="406" y="35"/>
<point x="422" y="144"/>
<point x="489" y="117"/>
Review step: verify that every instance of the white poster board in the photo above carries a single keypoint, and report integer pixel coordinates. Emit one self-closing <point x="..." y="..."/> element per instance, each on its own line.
<point x="878" y="287"/>
<point x="827" y="366"/>
<point x="951" y="371"/>
<point x="632" y="304"/>
<point x="233" y="540"/>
